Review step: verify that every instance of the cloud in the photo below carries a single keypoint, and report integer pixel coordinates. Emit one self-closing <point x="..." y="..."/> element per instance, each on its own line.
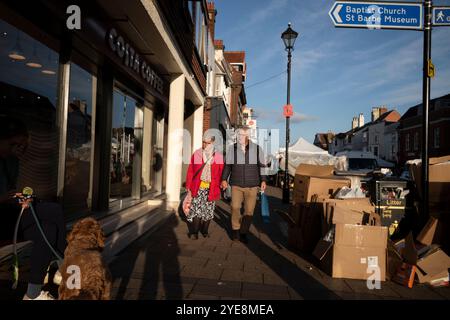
<point x="301" y="117"/>
<point x="254" y="20"/>
<point x="277" y="117"/>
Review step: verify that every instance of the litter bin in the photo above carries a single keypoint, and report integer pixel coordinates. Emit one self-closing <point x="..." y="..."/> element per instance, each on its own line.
<point x="389" y="197"/>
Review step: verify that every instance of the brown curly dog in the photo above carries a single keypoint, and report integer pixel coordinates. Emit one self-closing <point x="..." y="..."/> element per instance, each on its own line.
<point x="83" y="254"/>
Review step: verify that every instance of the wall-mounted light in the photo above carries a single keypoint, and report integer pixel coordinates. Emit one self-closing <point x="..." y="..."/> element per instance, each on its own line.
<point x="35" y="62"/>
<point x="49" y="62"/>
<point x="17" y="52"/>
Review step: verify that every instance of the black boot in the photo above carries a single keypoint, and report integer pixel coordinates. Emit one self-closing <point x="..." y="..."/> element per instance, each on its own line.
<point x="194" y="227"/>
<point x="204" y="226"/>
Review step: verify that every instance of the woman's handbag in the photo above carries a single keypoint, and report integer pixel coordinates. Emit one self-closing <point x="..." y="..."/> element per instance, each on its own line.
<point x="265" y="211"/>
<point x="187" y="203"/>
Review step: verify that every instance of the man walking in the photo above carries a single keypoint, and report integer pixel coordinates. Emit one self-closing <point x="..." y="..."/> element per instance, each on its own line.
<point x="244" y="165"/>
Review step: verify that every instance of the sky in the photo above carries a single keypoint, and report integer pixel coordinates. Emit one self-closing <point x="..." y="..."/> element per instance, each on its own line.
<point x="337" y="73"/>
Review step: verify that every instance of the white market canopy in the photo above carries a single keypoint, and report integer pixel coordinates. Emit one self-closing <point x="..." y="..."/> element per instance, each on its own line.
<point x="304" y="152"/>
<point x="303" y="146"/>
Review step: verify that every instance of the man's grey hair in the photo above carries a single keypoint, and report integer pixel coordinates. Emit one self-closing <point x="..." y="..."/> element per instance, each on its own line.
<point x="242" y="129"/>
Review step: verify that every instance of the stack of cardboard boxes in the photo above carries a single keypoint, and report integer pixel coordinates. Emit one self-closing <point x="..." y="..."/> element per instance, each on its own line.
<point x="344" y="234"/>
<point x="433" y="262"/>
<point x="347" y="236"/>
<point x="439" y="198"/>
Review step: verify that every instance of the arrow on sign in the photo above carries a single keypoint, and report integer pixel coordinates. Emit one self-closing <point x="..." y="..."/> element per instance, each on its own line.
<point x="336" y="13"/>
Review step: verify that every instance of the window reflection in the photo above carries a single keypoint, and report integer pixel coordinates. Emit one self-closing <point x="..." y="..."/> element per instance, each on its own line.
<point x="28" y="90"/>
<point x="122" y="146"/>
<point x="79" y="128"/>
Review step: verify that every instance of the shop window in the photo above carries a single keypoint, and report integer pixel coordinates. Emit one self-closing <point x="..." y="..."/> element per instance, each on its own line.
<point x="28" y="91"/>
<point x="125" y="146"/>
<point x="79" y="140"/>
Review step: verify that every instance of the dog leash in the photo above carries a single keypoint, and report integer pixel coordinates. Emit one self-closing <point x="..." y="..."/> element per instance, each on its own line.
<point x="15" y="256"/>
<point x="27" y="193"/>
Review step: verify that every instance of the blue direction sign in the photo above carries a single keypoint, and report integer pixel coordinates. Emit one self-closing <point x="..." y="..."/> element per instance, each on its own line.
<point x="377" y="15"/>
<point x="441" y="16"/>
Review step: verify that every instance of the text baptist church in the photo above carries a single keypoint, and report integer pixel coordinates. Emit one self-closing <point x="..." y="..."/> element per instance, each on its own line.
<point x="378" y="15"/>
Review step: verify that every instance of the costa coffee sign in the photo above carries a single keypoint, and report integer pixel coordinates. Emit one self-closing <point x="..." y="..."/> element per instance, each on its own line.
<point x="133" y="61"/>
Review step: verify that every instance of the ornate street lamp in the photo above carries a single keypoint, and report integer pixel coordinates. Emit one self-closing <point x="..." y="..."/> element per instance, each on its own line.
<point x="289" y="36"/>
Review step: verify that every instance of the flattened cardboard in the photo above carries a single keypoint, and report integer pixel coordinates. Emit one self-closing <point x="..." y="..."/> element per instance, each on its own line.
<point x="322" y="249"/>
<point x="311" y="226"/>
<point x="295" y="212"/>
<point x="426" y="236"/>
<point x="409" y="251"/>
<point x="394" y="260"/>
<point x="437" y="160"/>
<point x="435" y="265"/>
<point x="343" y="215"/>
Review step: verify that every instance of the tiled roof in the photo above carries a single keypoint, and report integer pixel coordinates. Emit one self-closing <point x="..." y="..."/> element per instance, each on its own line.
<point x="235" y="56"/>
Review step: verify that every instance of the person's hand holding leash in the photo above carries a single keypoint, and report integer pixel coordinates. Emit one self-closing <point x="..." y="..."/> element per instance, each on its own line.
<point x="24" y="201"/>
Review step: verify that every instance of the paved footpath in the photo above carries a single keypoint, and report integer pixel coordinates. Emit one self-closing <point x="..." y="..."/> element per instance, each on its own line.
<point x="166" y="264"/>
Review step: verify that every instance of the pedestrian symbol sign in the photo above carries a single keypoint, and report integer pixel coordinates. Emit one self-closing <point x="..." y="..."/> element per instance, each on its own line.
<point x="441" y="16"/>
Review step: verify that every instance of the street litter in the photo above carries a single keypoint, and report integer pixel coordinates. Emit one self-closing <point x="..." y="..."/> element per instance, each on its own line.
<point x="348" y="229"/>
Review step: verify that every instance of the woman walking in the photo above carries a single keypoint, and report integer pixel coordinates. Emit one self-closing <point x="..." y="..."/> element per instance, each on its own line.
<point x="203" y="184"/>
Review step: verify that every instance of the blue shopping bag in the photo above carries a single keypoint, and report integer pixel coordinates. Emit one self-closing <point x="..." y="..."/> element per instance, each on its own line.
<point x="265" y="211"/>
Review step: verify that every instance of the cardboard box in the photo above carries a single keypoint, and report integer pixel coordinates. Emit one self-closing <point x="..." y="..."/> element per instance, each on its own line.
<point x="437" y="231"/>
<point x="308" y="227"/>
<point x="314" y="170"/>
<point x="313" y="180"/>
<point x="349" y="211"/>
<point x="305" y="187"/>
<point x="295" y="237"/>
<point x="439" y="179"/>
<point x="394" y="260"/>
<point x="427" y="235"/>
<point x="433" y="266"/>
<point x="342" y="215"/>
<point x="295" y="212"/>
<point x="355" y="251"/>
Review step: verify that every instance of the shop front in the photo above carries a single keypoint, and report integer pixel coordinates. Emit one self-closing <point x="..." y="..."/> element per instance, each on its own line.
<point x="93" y="101"/>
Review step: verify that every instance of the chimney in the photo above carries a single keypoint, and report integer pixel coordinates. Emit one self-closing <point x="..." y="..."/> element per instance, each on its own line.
<point x="212" y="12"/>
<point x="378" y="112"/>
<point x="218" y="45"/>
<point x="354" y="123"/>
<point x="361" y="120"/>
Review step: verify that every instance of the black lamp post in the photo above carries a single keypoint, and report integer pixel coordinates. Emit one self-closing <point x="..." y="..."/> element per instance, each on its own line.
<point x="289" y="36"/>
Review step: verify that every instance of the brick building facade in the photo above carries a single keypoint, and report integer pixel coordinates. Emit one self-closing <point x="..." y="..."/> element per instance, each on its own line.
<point x="410" y="130"/>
